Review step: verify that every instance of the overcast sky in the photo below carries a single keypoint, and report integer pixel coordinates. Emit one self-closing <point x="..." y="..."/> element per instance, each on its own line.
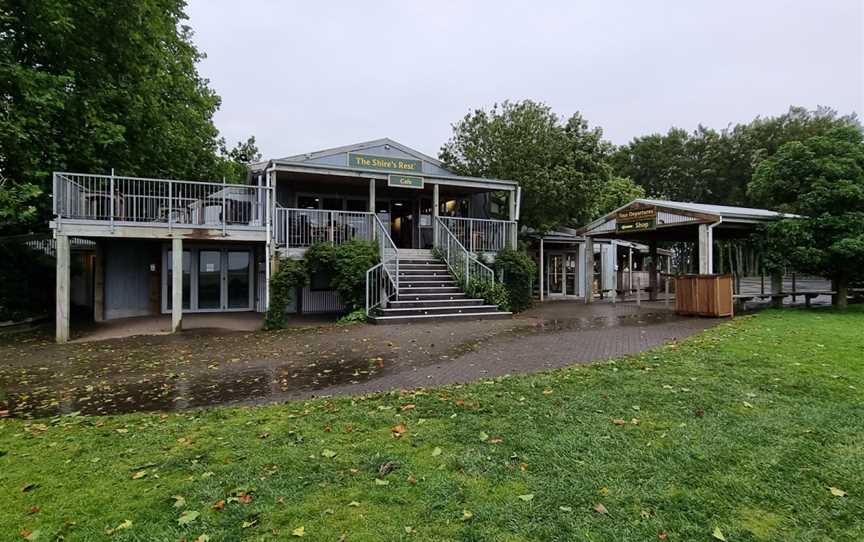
<point x="307" y="75"/>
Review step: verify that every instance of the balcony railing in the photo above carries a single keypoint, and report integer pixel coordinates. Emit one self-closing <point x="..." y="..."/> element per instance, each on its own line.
<point x="301" y="228"/>
<point x="480" y="234"/>
<point x="138" y="201"/>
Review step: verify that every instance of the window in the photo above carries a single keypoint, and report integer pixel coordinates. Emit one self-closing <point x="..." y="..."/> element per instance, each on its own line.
<point x="332" y="204"/>
<point x="356" y="205"/>
<point x="320" y="280"/>
<point x="308" y="202"/>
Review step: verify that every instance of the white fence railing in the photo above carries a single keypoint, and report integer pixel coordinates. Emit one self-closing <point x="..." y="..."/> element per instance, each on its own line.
<point x="135" y="200"/>
<point x="300" y="228"/>
<point x="480" y="234"/>
<point x="382" y="280"/>
<point x="463" y="264"/>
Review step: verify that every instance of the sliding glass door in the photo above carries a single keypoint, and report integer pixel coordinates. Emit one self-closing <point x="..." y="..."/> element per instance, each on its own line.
<point x="214" y="279"/>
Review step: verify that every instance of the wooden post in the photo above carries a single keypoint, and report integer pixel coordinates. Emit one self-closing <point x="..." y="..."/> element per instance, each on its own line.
<point x="63" y="298"/>
<point x="589" y="270"/>
<point x="706" y="249"/>
<point x="176" y="284"/>
<point x="436" y="202"/>
<point x="653" y="270"/>
<point x="542" y="270"/>
<point x="777" y="288"/>
<point x="372" y="195"/>
<point x="99" y="283"/>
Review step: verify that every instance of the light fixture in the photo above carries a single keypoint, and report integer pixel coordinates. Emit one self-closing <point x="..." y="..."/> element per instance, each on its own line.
<point x="398" y="204"/>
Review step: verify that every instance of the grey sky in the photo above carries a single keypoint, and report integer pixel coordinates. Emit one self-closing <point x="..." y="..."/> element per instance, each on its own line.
<point x="307" y="75"/>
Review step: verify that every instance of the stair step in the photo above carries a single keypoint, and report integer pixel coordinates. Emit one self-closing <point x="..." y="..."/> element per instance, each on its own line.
<point x="419" y="261"/>
<point x="426" y="318"/>
<point x="439" y="296"/>
<point x="458" y="302"/>
<point x="427" y="283"/>
<point x="429" y="290"/>
<point x="443" y="311"/>
<point x="424" y="276"/>
<point x="421" y="269"/>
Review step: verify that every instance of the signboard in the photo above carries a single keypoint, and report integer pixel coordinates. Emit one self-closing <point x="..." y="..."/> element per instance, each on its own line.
<point x="636" y="219"/>
<point x="384" y="163"/>
<point x="405" y="181"/>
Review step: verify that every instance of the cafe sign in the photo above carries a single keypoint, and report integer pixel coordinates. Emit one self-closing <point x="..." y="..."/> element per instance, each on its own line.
<point x="405" y="181"/>
<point x="636" y="219"/>
<point x="384" y="163"/>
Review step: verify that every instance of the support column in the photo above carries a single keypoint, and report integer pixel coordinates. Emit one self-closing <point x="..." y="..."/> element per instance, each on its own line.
<point x="372" y="195"/>
<point x="777" y="288"/>
<point x="511" y="214"/>
<point x="542" y="271"/>
<point x="436" y="201"/>
<point x="99" y="283"/>
<point x="706" y="249"/>
<point x="176" y="284"/>
<point x="653" y="283"/>
<point x="589" y="270"/>
<point x="62" y="304"/>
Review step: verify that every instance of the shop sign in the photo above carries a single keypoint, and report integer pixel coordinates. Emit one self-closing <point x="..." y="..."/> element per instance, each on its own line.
<point x="404" y="181"/>
<point x="384" y="163"/>
<point x="636" y="219"/>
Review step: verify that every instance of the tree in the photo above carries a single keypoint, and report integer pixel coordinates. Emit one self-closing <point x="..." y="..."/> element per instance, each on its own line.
<point x="235" y="162"/>
<point x="93" y="85"/>
<point x="560" y="165"/>
<point x="821" y="179"/>
<point x="712" y="166"/>
<point x="617" y="192"/>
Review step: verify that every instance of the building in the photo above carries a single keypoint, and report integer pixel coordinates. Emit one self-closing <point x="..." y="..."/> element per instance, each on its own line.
<point x="225" y="237"/>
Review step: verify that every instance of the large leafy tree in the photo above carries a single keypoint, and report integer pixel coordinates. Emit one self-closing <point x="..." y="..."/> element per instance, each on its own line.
<point x="560" y="165"/>
<point x="821" y="179"/>
<point x="89" y="85"/>
<point x="713" y="166"/>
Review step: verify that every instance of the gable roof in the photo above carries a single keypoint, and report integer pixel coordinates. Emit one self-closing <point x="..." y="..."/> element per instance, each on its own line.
<point x="361" y="146"/>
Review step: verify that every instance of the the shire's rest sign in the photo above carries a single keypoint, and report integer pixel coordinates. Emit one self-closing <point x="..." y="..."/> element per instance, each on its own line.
<point x="384" y="163"/>
<point x="636" y="219"/>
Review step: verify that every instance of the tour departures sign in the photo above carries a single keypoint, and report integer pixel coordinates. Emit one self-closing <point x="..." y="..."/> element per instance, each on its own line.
<point x="636" y="219"/>
<point x="384" y="163"/>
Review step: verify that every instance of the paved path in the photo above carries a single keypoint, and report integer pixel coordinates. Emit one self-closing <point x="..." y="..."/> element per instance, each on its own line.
<point x="205" y="367"/>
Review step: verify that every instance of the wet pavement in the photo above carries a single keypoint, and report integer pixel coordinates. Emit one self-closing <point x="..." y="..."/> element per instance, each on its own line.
<point x="202" y="368"/>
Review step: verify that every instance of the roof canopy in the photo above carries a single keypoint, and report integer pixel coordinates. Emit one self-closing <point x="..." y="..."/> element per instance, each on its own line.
<point x="658" y="220"/>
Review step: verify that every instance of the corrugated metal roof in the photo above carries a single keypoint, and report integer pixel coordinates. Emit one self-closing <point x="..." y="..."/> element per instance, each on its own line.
<point x="721" y="210"/>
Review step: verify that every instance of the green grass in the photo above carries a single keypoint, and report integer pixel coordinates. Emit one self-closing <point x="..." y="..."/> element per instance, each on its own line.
<point x="743" y="428"/>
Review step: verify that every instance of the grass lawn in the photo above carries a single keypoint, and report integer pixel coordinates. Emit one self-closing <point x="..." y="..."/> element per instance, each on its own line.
<point x="739" y="433"/>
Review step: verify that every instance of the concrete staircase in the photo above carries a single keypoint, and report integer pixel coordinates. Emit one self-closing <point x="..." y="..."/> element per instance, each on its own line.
<point x="429" y="293"/>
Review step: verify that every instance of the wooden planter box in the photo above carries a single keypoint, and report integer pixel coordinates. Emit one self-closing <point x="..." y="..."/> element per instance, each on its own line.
<point x="703" y="295"/>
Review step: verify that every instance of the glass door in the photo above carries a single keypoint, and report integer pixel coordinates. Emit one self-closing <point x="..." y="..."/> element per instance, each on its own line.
<point x="210" y="279"/>
<point x="238" y="279"/>
<point x="571" y="281"/>
<point x="555" y="275"/>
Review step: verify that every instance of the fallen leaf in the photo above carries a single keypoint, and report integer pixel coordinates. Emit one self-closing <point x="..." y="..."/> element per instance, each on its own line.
<point x="662" y="535"/>
<point x="187" y="517"/>
<point x="409" y="406"/>
<point x="483" y="436"/>
<point x="436" y="452"/>
<point x="837" y="492"/>
<point x="218" y="505"/>
<point x="29" y="487"/>
<point x="619" y="421"/>
<point x="329" y="454"/>
<point x="30" y="535"/>
<point x="354" y="504"/>
<point x="600" y="509"/>
<point x="527" y="497"/>
<point x="718" y="534"/>
<point x="466" y="515"/>
<point x="398" y="430"/>
<point x="380" y="482"/>
<point x="547" y="391"/>
<point x="137" y="475"/>
<point x="565" y="508"/>
<point x="203" y="538"/>
<point x="125" y="525"/>
<point x="246" y="498"/>
<point x="748" y="405"/>
<point x="299" y="531"/>
<point x="179" y="501"/>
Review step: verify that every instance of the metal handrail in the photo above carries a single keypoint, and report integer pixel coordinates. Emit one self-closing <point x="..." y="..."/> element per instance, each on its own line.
<point x="382" y="284"/>
<point x="481" y="234"/>
<point x="300" y="228"/>
<point x="462" y="263"/>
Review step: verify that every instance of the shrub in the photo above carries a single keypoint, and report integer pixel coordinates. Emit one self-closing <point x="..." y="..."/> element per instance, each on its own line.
<point x="289" y="275"/>
<point x="353" y="317"/>
<point x="346" y="266"/>
<point x="519" y="271"/>
<point x="493" y="293"/>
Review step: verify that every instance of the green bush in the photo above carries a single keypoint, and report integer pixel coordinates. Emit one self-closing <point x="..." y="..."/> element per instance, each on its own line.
<point x="519" y="271"/>
<point x="289" y="275"/>
<point x="493" y="293"/>
<point x="346" y="265"/>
